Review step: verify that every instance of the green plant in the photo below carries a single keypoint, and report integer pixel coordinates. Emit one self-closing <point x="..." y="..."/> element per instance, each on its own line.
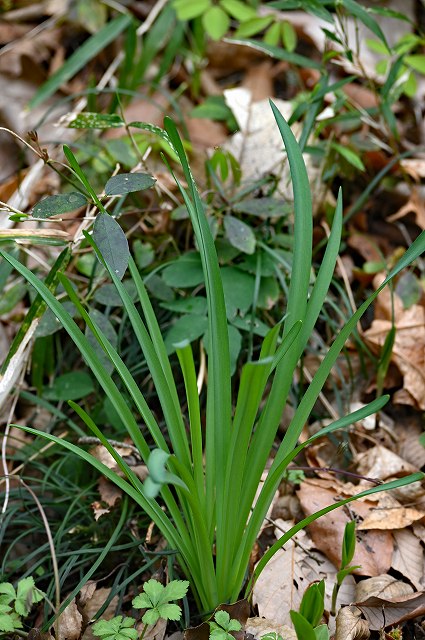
<point x="156" y="599"/>
<point x="222" y="626"/>
<point x="16" y="605"/>
<point x="348" y="549"/>
<point x="207" y="480"/>
<point x="306" y="620"/>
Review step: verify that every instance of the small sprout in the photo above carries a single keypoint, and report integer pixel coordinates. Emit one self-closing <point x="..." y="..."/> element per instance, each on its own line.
<point x="223" y="626"/>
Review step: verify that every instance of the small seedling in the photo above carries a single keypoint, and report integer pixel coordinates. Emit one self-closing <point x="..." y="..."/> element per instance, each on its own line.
<point x="156" y="599"/>
<point x="223" y="626"/>
<point x="15" y="605"/>
<point x="306" y="621"/>
<point x="348" y="548"/>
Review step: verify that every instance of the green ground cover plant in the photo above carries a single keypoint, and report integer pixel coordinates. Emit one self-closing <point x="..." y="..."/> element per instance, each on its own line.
<point x="207" y="476"/>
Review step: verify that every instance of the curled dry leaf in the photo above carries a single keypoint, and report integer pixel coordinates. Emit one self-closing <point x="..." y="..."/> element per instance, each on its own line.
<point x="288" y="574"/>
<point x="384" y="586"/>
<point x="374" y="549"/>
<point x="260" y="626"/>
<point x="350" y="626"/>
<point x="381" y="612"/>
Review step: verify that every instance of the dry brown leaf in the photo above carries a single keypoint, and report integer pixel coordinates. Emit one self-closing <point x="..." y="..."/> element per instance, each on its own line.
<point x="384" y="586"/>
<point x="390" y="514"/>
<point x="408" y="557"/>
<point x="70" y="622"/>
<point x="381" y="463"/>
<point x="91" y="605"/>
<point x="408" y="352"/>
<point x="349" y="625"/>
<point x="109" y="492"/>
<point x="380" y="612"/>
<point x="415" y="205"/>
<point x="288" y="574"/>
<point x="408" y="446"/>
<point x="373" y="549"/>
<point x="260" y="626"/>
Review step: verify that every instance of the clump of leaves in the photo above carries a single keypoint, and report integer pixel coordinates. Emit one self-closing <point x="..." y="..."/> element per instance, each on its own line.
<point x="223" y="626"/>
<point x="17" y="604"/>
<point x="156" y="599"/>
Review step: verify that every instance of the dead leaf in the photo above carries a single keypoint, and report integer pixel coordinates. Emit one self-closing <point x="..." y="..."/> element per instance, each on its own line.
<point x="70" y="622"/>
<point x="408" y="352"/>
<point x="374" y="548"/>
<point x="415" y="167"/>
<point x="260" y="626"/>
<point x="384" y="586"/>
<point x="153" y="632"/>
<point x="390" y="514"/>
<point x="349" y="625"/>
<point x="98" y="510"/>
<point x="381" y="613"/>
<point x="288" y="574"/>
<point x="408" y="557"/>
<point x="381" y="463"/>
<point x="415" y="205"/>
<point x="109" y="492"/>
<point x="91" y="604"/>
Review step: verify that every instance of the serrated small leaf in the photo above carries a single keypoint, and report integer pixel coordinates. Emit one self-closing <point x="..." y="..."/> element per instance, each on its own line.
<point x="89" y="120"/>
<point x="117" y="628"/>
<point x="153" y="589"/>
<point x="6" y="623"/>
<point x="239" y="234"/>
<point x="169" y="611"/>
<point x="222" y="618"/>
<point x="124" y="183"/>
<point x="174" y="590"/>
<point x="142" y="601"/>
<point x="112" y="243"/>
<point x="151" y="616"/>
<point x="56" y="205"/>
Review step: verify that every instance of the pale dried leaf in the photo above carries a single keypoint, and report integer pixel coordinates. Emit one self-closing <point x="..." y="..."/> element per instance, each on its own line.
<point x="384" y="586"/>
<point x="349" y="625"/>
<point x="408" y="352"/>
<point x="390" y="514"/>
<point x="381" y="463"/>
<point x="414" y="205"/>
<point x="86" y="593"/>
<point x="98" y="510"/>
<point x="258" y="146"/>
<point x="70" y="623"/>
<point x="373" y="549"/>
<point x="92" y="606"/>
<point x="379" y="611"/>
<point x="408" y="557"/>
<point x="260" y="626"/>
<point x="153" y="632"/>
<point x="288" y="574"/>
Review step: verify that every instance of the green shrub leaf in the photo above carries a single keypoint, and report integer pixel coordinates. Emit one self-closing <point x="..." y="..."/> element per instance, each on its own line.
<point x="216" y="22"/>
<point x="239" y="234"/>
<point x="124" y="183"/>
<point x="112" y="243"/>
<point x="56" y="205"/>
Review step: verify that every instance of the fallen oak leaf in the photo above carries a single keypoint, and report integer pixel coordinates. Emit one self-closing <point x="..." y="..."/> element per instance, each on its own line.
<point x="381" y="613"/>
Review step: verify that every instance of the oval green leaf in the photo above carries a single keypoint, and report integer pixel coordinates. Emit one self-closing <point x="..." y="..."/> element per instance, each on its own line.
<point x="70" y="386"/>
<point x="56" y="205"/>
<point x="91" y="120"/>
<point x="112" y="243"/>
<point x="239" y="234"/>
<point x="128" y="183"/>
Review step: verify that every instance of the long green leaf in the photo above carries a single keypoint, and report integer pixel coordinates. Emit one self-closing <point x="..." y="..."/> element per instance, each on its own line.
<point x="80" y="58"/>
